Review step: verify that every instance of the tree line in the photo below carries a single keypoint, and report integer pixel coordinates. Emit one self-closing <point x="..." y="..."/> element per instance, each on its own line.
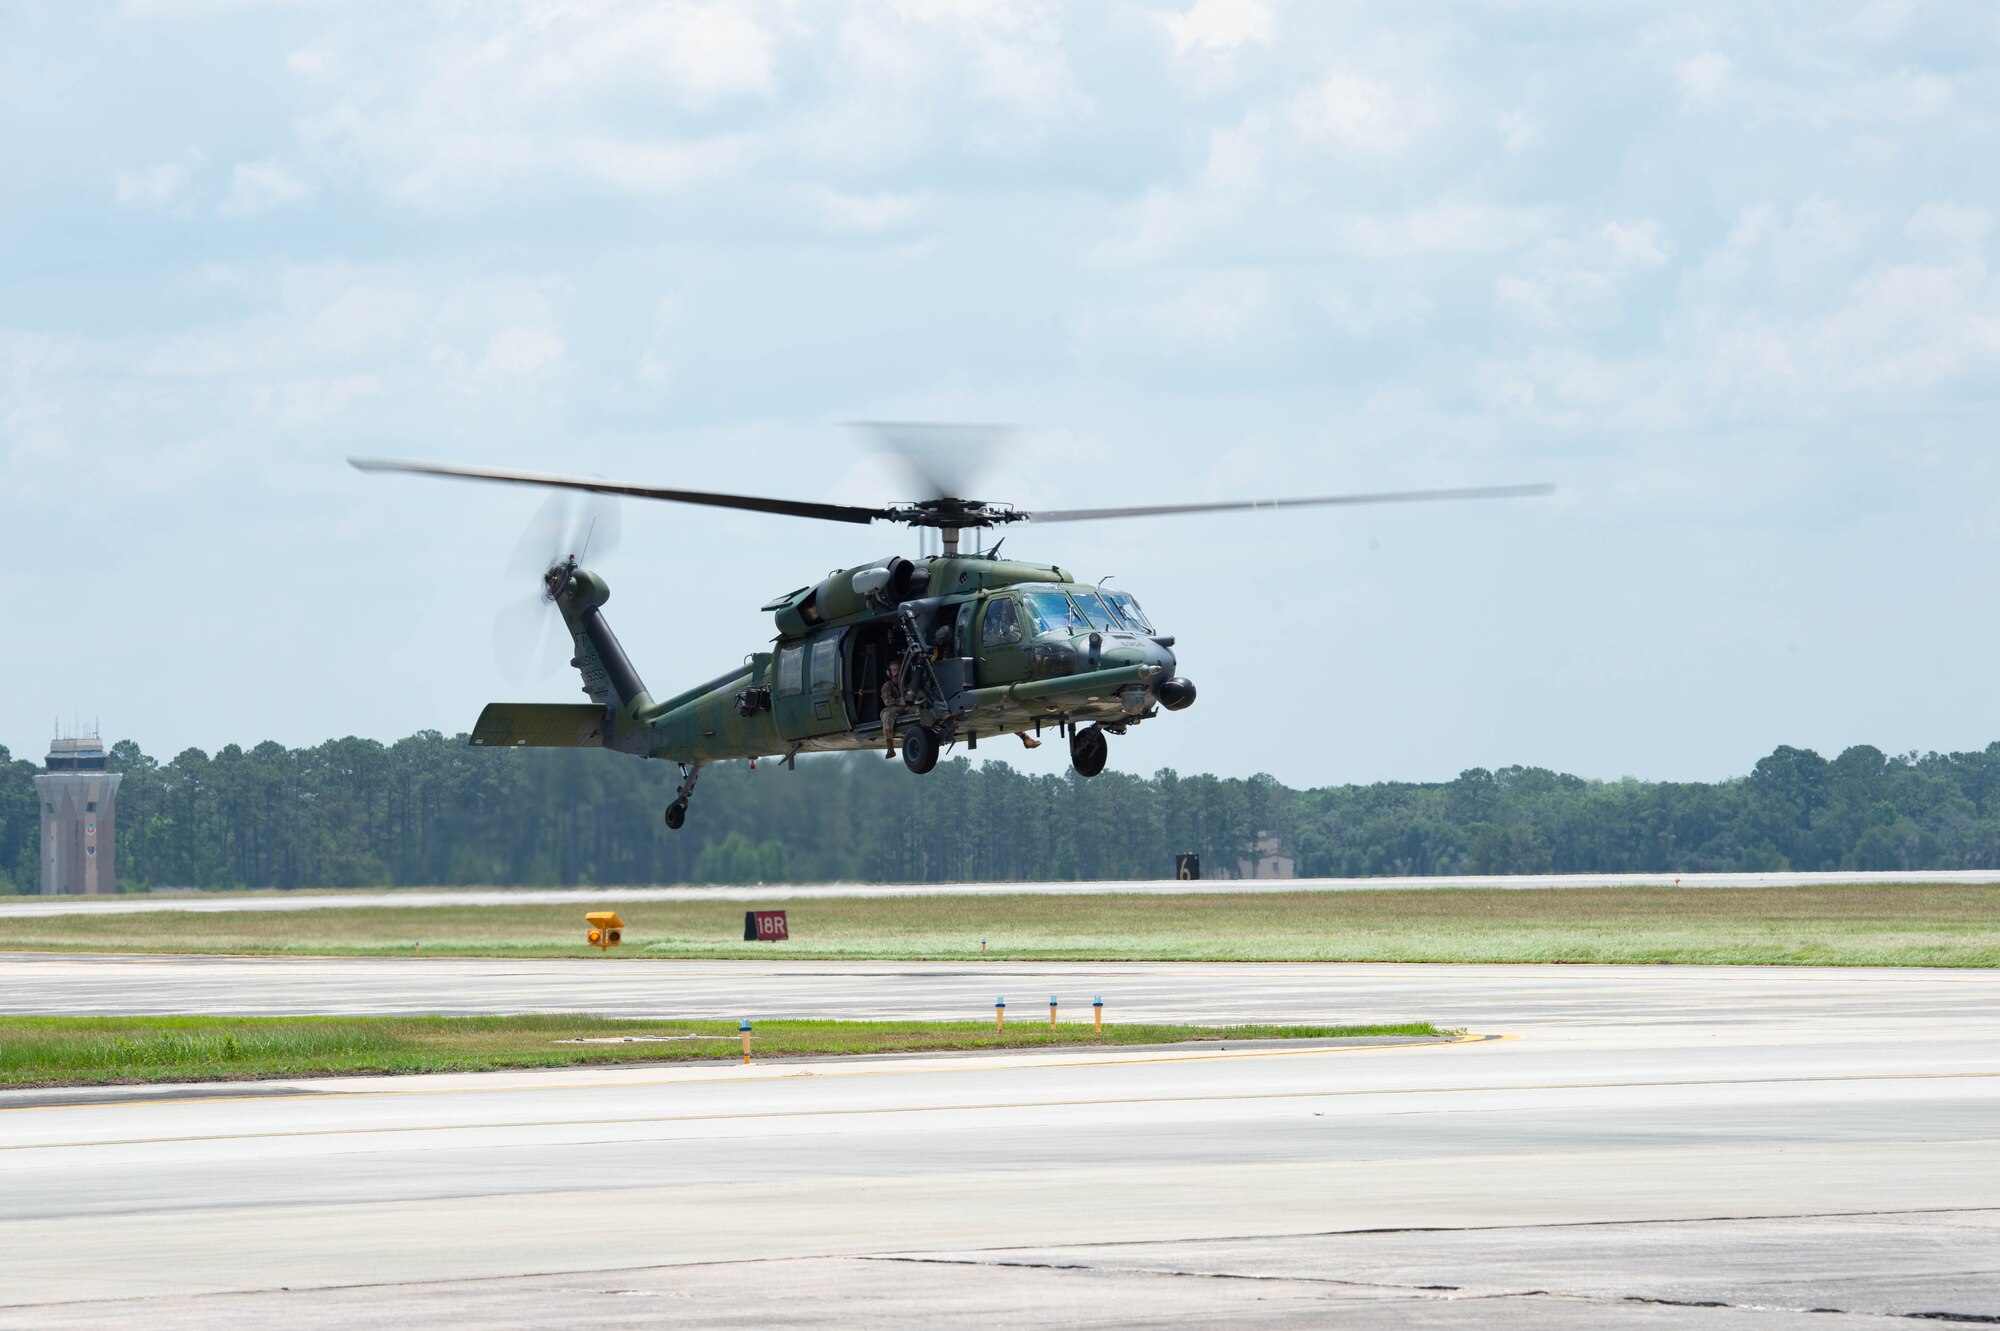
<point x="431" y="810"/>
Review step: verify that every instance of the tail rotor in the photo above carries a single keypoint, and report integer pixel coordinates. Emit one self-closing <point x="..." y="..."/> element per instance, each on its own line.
<point x="530" y="642"/>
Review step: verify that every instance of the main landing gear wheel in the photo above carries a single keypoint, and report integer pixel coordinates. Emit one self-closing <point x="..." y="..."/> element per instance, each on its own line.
<point x="1087" y="751"/>
<point x="677" y="813"/>
<point x="920" y="750"/>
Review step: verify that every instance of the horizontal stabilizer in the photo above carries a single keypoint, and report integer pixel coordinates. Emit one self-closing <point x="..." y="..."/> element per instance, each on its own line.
<point x="540" y="725"/>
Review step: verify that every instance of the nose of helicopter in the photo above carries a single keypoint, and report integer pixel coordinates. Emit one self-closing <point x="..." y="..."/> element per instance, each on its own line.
<point x="1173" y="691"/>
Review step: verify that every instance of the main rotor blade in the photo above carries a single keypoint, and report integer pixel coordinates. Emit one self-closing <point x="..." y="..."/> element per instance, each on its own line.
<point x="1227" y="506"/>
<point x="791" y="508"/>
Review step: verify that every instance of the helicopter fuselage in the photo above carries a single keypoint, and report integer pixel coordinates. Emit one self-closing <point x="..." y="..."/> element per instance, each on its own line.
<point x="959" y="647"/>
<point x="922" y="653"/>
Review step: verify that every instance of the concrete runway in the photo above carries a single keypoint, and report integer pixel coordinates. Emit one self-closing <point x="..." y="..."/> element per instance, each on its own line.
<point x="1702" y="1147"/>
<point x="526" y="896"/>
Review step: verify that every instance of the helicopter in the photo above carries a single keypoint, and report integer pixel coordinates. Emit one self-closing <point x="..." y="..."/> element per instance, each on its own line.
<point x="903" y="654"/>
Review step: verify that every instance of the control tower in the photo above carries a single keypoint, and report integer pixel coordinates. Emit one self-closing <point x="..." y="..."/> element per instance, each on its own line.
<point x="79" y="818"/>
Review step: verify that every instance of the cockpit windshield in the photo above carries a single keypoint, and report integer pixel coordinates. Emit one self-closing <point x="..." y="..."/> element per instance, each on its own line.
<point x="1094" y="611"/>
<point x="1081" y="609"/>
<point x="1053" y="613"/>
<point x="1128" y="611"/>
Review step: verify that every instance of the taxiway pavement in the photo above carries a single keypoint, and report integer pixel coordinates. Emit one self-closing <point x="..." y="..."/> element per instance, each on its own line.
<point x="1712" y="1147"/>
<point x="532" y="896"/>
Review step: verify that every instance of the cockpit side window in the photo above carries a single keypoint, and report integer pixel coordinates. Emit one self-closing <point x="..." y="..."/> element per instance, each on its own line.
<point x="1003" y="624"/>
<point x="1127" y="609"/>
<point x="1094" y="611"/>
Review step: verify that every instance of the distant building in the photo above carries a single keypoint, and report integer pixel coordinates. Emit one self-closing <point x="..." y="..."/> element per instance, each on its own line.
<point x="79" y="819"/>
<point x="1271" y="860"/>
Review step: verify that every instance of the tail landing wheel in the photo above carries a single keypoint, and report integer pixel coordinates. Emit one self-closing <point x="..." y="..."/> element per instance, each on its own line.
<point x="677" y="812"/>
<point x="1088" y="750"/>
<point x="920" y="750"/>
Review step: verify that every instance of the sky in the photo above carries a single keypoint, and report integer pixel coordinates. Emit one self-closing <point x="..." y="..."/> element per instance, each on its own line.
<point x="1720" y="272"/>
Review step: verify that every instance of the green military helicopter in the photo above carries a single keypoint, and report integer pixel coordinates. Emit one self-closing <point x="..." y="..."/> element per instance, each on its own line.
<point x="910" y="654"/>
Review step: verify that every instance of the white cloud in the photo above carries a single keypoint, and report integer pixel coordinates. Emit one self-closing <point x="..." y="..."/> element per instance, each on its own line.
<point x="1963" y="230"/>
<point x="1165" y="222"/>
<point x="1518" y="130"/>
<point x="882" y="210"/>
<point x="520" y="349"/>
<point x="1235" y="157"/>
<point x="651" y="167"/>
<point x="1207" y="27"/>
<point x="1359" y="112"/>
<point x="260" y="187"/>
<point x="1902" y="98"/>
<point x="1447" y="227"/>
<point x="695" y="54"/>
<point x="1367" y="313"/>
<point x="1702" y="78"/>
<point x="659" y="359"/>
<point x="1583" y="282"/>
<point x="1637" y="244"/>
<point x="1194" y="312"/>
<point x="163" y="186"/>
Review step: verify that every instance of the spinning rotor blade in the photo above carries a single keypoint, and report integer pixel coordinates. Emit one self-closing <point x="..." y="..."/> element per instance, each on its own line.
<point x="793" y="508"/>
<point x="541" y="541"/>
<point x="562" y="527"/>
<point x="945" y="456"/>
<point x="1227" y="506"/>
<point x="529" y="641"/>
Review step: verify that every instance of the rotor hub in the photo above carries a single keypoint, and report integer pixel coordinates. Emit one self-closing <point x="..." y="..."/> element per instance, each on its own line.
<point x="954" y="513"/>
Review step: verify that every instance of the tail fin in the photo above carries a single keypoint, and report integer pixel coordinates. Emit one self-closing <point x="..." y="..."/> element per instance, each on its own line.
<point x="616" y="716"/>
<point x="608" y="677"/>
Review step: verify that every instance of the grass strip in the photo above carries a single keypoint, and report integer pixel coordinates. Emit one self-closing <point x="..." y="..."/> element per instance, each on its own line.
<point x="1848" y="925"/>
<point x="74" y="1051"/>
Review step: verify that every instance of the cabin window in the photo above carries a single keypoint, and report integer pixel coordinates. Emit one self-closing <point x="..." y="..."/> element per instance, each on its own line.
<point x="1003" y="624"/>
<point x="791" y="670"/>
<point x="826" y="662"/>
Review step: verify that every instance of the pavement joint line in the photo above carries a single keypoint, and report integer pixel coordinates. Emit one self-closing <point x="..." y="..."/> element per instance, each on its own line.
<point x="919" y="1257"/>
<point x="922" y="1256"/>
<point x="1440" y="1291"/>
<point x="1105" y="1102"/>
<point x="806" y="1069"/>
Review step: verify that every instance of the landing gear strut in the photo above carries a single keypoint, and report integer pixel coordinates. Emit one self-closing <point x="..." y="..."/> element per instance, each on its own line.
<point x="1088" y="750"/>
<point x="677" y="812"/>
<point x="920" y="749"/>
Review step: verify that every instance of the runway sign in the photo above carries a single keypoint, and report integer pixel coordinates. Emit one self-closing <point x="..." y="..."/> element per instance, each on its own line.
<point x="764" y="926"/>
<point x="606" y="929"/>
